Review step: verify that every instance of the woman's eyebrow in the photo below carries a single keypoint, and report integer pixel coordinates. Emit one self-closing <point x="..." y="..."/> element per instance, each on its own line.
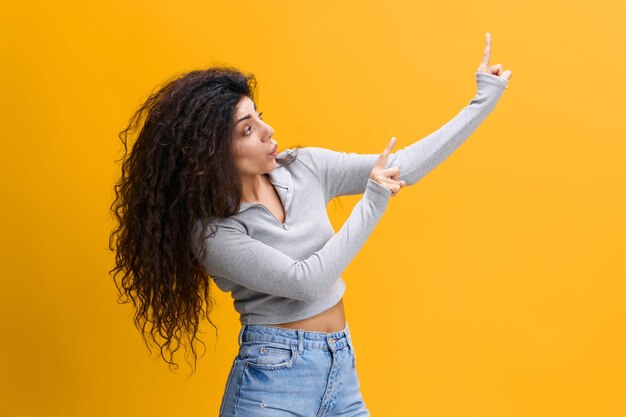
<point x="247" y="116"/>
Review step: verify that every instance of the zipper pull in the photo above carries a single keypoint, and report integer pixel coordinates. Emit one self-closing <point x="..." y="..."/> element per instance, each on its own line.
<point x="285" y="226"/>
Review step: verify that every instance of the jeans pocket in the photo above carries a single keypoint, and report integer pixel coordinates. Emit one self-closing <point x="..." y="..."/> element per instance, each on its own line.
<point x="269" y="355"/>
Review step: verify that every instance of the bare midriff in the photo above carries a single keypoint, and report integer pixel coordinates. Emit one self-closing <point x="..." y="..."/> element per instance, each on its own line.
<point x="329" y="321"/>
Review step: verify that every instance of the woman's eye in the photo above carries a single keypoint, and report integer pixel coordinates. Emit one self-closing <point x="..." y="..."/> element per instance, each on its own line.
<point x="249" y="129"/>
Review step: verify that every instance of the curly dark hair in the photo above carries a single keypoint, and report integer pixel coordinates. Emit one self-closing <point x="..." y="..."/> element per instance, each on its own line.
<point x="181" y="168"/>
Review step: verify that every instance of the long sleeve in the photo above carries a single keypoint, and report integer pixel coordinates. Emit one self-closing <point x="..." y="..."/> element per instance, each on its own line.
<point x="346" y="173"/>
<point x="232" y="254"/>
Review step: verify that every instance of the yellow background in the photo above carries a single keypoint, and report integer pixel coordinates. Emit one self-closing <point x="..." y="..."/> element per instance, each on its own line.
<point x="494" y="287"/>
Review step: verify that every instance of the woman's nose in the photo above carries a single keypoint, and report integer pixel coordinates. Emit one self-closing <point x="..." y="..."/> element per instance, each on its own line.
<point x="270" y="131"/>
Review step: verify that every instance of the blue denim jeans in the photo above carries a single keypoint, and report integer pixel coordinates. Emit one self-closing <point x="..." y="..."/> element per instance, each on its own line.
<point x="281" y="372"/>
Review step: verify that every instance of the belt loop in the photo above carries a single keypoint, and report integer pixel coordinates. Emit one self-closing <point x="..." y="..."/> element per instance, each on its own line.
<point x="243" y="327"/>
<point x="300" y="341"/>
<point x="348" y="337"/>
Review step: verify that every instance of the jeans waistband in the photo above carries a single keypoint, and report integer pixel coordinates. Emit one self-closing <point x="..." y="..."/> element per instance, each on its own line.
<point x="251" y="333"/>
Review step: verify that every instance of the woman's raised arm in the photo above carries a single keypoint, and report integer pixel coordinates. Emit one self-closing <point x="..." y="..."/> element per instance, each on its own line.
<point x="344" y="173"/>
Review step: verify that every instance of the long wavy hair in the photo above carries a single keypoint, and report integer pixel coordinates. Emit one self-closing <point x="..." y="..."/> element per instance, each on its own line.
<point x="181" y="168"/>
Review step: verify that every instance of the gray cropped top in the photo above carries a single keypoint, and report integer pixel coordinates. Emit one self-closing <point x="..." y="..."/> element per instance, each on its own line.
<point x="282" y="272"/>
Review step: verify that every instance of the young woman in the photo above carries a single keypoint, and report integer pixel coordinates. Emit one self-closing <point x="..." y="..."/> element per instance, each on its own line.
<point x="206" y="196"/>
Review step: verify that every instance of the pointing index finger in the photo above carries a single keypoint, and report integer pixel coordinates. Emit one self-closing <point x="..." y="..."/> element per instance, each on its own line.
<point x="487" y="51"/>
<point x="382" y="159"/>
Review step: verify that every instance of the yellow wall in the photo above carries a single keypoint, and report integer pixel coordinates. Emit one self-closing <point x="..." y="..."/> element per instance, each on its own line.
<point x="493" y="287"/>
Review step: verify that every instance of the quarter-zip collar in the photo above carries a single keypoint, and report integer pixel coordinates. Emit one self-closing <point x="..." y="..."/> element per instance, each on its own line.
<point x="281" y="179"/>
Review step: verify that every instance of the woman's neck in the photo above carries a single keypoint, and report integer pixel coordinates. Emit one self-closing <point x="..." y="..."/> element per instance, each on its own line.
<point x="253" y="187"/>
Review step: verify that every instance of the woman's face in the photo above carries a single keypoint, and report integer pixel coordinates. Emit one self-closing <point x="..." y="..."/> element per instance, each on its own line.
<point x="253" y="143"/>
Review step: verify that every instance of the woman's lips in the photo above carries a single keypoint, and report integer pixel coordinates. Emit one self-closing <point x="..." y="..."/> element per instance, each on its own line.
<point x="274" y="152"/>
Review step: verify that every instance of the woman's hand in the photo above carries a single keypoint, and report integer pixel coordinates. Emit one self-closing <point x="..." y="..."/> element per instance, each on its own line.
<point x="387" y="177"/>
<point x="492" y="69"/>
